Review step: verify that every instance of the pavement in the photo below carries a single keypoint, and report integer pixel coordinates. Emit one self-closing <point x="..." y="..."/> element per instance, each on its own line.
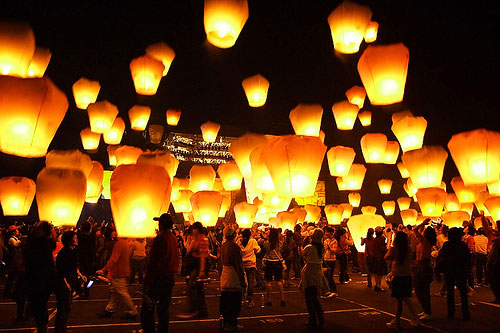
<point x="356" y="309"/>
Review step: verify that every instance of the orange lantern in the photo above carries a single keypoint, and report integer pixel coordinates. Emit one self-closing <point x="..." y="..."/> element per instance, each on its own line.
<point x="341" y="184"/>
<point x="173" y="117"/>
<point x="404" y="203"/>
<point x="85" y="92"/>
<point x="112" y="154"/>
<point x="273" y="200"/>
<point x="391" y="152"/>
<point x="90" y="140"/>
<point x="114" y="135"/>
<point x="493" y="206"/>
<point x="256" y="88"/>
<point x="209" y="131"/>
<point x="451" y="203"/>
<point x="494" y="188"/>
<point x="201" y="178"/>
<point x="162" y="158"/>
<point x="356" y="95"/>
<point x="425" y="165"/>
<point x="355" y="177"/>
<point x="155" y="133"/>
<point x="161" y="52"/>
<point x="261" y="178"/>
<point x="286" y="220"/>
<point x="226" y="203"/>
<point x="346" y="214"/>
<point x="139" y="117"/>
<point x="146" y="74"/>
<point x="383" y="72"/>
<point x="365" y="118"/>
<point x="409" y="216"/>
<point x="138" y="193"/>
<point x="385" y="186"/>
<point x="301" y="214"/>
<point x="475" y="154"/>
<point x="18" y="47"/>
<point x="183" y="202"/>
<point x="69" y="159"/>
<point x="371" y="32"/>
<point x="224" y="20"/>
<point x="340" y="159"/>
<point x="175" y="188"/>
<point x="334" y="213"/>
<point x="403" y="170"/>
<point x="313" y="213"/>
<point x="354" y="199"/>
<point x="241" y="149"/>
<point x="373" y="146"/>
<point x="345" y="115"/>
<point x="389" y="207"/>
<point x="467" y="207"/>
<point x="410" y="132"/>
<point x="101" y="116"/>
<point x="368" y="210"/>
<point x="94" y="183"/>
<point x="431" y="201"/>
<point x="397" y="116"/>
<point x="206" y="207"/>
<point x="481" y="198"/>
<point x="126" y="154"/>
<point x="245" y="214"/>
<point x="359" y="225"/>
<point x="409" y="188"/>
<point x="39" y="62"/>
<point x="348" y="23"/>
<point x="230" y="175"/>
<point x="306" y="119"/>
<point x="30" y="113"/>
<point x="16" y="195"/>
<point x="466" y="194"/>
<point x="455" y="218"/>
<point x="60" y="195"/>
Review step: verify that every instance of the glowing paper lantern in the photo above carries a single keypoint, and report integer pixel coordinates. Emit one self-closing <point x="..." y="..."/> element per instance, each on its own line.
<point x="60" y="195"/>
<point x="224" y="20"/>
<point x="90" y="140"/>
<point x="18" y="46"/>
<point x="30" y="113"/>
<point x="391" y="152"/>
<point x="101" y="116"/>
<point x="476" y="155"/>
<point x="355" y="177"/>
<point x="365" y="118"/>
<point x="373" y="146"/>
<point x="306" y="119"/>
<point x="455" y="218"/>
<point x="346" y="214"/>
<point x="286" y="220"/>
<point x="409" y="216"/>
<point x="467" y="207"/>
<point x="230" y="175"/>
<point x="313" y="213"/>
<point x="341" y="184"/>
<point x="385" y="186"/>
<point x="431" y="201"/>
<point x="39" y="62"/>
<point x="481" y="198"/>
<point x="294" y="162"/>
<point x="226" y="202"/>
<point x="112" y="154"/>
<point x="368" y="210"/>
<point x="256" y="88"/>
<point x="114" y="135"/>
<point x="340" y="159"/>
<point x="209" y="131"/>
<point x="404" y="203"/>
<point x="451" y="203"/>
<point x="371" y="32"/>
<point x="245" y="214"/>
<point x="164" y="159"/>
<point x="138" y="193"/>
<point x="261" y="178"/>
<point x="161" y="52"/>
<point x="410" y="132"/>
<point x="16" y="195"/>
<point x="356" y="95"/>
<point x="201" y="178"/>
<point x="85" y="92"/>
<point x="426" y="165"/>
<point x="126" y="154"/>
<point x="146" y="74"/>
<point x="354" y="199"/>
<point x="389" y="207"/>
<point x="345" y="115"/>
<point x="383" y="72"/>
<point x="348" y="23"/>
<point x="397" y="116"/>
<point x="334" y="213"/>
<point x="183" y="202"/>
<point x="94" y="183"/>
<point x="69" y="159"/>
<point x="273" y="200"/>
<point x="359" y="225"/>
<point x="241" y="149"/>
<point x="139" y="117"/>
<point x="403" y="170"/>
<point x="301" y="214"/>
<point x="493" y="206"/>
<point x="466" y="194"/>
<point x="173" y="117"/>
<point x="155" y="133"/>
<point x="206" y="207"/>
<point x="409" y="188"/>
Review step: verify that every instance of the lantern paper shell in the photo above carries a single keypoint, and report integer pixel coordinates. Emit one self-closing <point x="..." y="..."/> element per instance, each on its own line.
<point x="397" y="116"/>
<point x="345" y="115"/>
<point x="112" y="154"/>
<point x="426" y="165"/>
<point x="371" y="32"/>
<point x="183" y="202"/>
<point x="273" y="200"/>
<point x="101" y="116"/>
<point x="313" y="213"/>
<point x="256" y="88"/>
<point x="31" y="110"/>
<point x="206" y="207"/>
<point x="348" y="24"/>
<point x="245" y="214"/>
<point x="18" y="47"/>
<point x="455" y="218"/>
<point x="494" y="188"/>
<point x="155" y="133"/>
<point x="146" y="74"/>
<point x="359" y="225"/>
<point x="201" y="178"/>
<point x="404" y="203"/>
<point x="301" y="214"/>
<point x="306" y="119"/>
<point x="365" y="118"/>
<point x="287" y="220"/>
<point x="261" y="178"/>
<point x="355" y="177"/>
<point x="385" y="186"/>
<point x="69" y="159"/>
<point x="383" y="72"/>
<point x="481" y="198"/>
<point x="224" y="20"/>
<point x="85" y="92"/>
<point x="341" y="184"/>
<point x="16" y="195"/>
<point x="410" y="132"/>
<point x="294" y="163"/>
<point x="356" y="95"/>
<point x="60" y="195"/>
<point x="139" y="117"/>
<point x="466" y="194"/>
<point x="209" y="131"/>
<point x="138" y="193"/>
<point x="90" y="140"/>
<point x="173" y="117"/>
<point x="388" y="207"/>
<point x="161" y="52"/>
<point x="368" y="210"/>
<point x="340" y="160"/>
<point x="39" y="62"/>
<point x="161" y="158"/>
<point x="127" y="155"/>
<point x="241" y="149"/>
<point x="94" y="183"/>
<point x="230" y="175"/>
<point x="451" y="203"/>
<point x="409" y="188"/>
<point x="373" y="146"/>
<point x="493" y="206"/>
<point x="346" y="214"/>
<point x="334" y="213"/>
<point x="476" y="155"/>
<point x="409" y="216"/>
<point x="114" y="135"/>
<point x="431" y="201"/>
<point x="403" y="170"/>
<point x="391" y="152"/>
<point x="226" y="203"/>
<point x="354" y="199"/>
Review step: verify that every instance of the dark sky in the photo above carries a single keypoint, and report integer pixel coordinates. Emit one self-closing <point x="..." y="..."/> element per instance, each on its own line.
<point x="452" y="78"/>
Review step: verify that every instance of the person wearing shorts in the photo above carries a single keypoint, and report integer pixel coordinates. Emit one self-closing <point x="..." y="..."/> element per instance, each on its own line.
<point x="273" y="266"/>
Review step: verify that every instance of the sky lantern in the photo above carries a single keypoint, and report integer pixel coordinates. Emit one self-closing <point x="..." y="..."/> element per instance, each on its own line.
<point x="355" y="177"/>
<point x="426" y="165"/>
<point x="90" y="140"/>
<point x="16" y="195"/>
<point x="114" y="135"/>
<point x="139" y="117"/>
<point x="161" y="52"/>
<point x="286" y="220"/>
<point x="493" y="206"/>
<point x="451" y="203"/>
<point x="348" y="24"/>
<point x="455" y="218"/>
<point x="403" y="170"/>
<point x="334" y="213"/>
<point x="481" y="198"/>
<point x="365" y="118"/>
<point x="146" y="74"/>
<point x="294" y="162"/>
<point x="354" y="199"/>
<point x="174" y="195"/>
<point x="341" y="184"/>
<point x="206" y="207"/>
<point x="138" y="193"/>
<point x="256" y="88"/>
<point x="431" y="201"/>
<point x="155" y="133"/>
<point x="409" y="188"/>
<point x="373" y="146"/>
<point x="383" y="72"/>
<point x="85" y="92"/>
<point x="313" y="213"/>
<point x="183" y="202"/>
<point x="230" y="175"/>
<point x="301" y="214"/>
<point x="162" y="158"/>
<point x="368" y="209"/>
<point x="322" y="136"/>
<point x="404" y="203"/>
<point x="127" y="154"/>
<point x="476" y="155"/>
<point x="224" y="20"/>
<point x="391" y="152"/>
<point x="408" y="216"/>
<point x="226" y="203"/>
<point x="371" y="32"/>
<point x="18" y="47"/>
<point x="31" y="110"/>
<point x="467" y="207"/>
<point x="72" y="159"/>
<point x="112" y="154"/>
<point x="466" y="194"/>
<point x="306" y="119"/>
<point x="94" y="183"/>
<point x="39" y="62"/>
<point x="60" y="195"/>
<point x="261" y="178"/>
<point x="101" y="116"/>
<point x="245" y="214"/>
<point x="340" y="159"/>
<point x="356" y="95"/>
<point x="410" y="132"/>
<point x="494" y="188"/>
<point x="241" y="149"/>
<point x="345" y="115"/>
<point x="397" y="116"/>
<point x="209" y="131"/>
<point x="273" y="200"/>
<point x="359" y="225"/>
<point x="173" y="117"/>
<point x="385" y="186"/>
<point x="347" y="210"/>
<point x="201" y="178"/>
<point x="388" y="207"/>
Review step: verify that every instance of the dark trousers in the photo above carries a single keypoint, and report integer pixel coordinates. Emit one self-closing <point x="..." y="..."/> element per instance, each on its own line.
<point x="343" y="276"/>
<point x="481" y="268"/>
<point x="39" y="309"/>
<point x="196" y="295"/>
<point x="157" y="298"/>
<point x="470" y="278"/>
<point x="230" y="307"/>
<point x="354" y="259"/>
<point x="137" y="267"/>
<point x="494" y="279"/>
<point x="258" y="275"/>
<point x="63" y="297"/>
<point x="423" y="279"/>
<point x="316" y="316"/>
<point x="250" y="273"/>
<point x="330" y="268"/>
<point x="451" y="282"/>
<point x="10" y="283"/>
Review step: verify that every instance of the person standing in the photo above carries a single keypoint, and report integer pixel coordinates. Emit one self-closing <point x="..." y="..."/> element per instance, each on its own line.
<point x="344" y="241"/>
<point x="138" y="260"/>
<point x="330" y="245"/>
<point x="379" y="266"/>
<point x="273" y="266"/>
<point x="86" y="251"/>
<point x="368" y="242"/>
<point x="468" y="239"/>
<point x="14" y="259"/>
<point x="481" y="250"/>
<point x="249" y="249"/>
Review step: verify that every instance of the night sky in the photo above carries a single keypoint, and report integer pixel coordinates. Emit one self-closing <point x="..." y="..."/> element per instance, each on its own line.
<point x="452" y="77"/>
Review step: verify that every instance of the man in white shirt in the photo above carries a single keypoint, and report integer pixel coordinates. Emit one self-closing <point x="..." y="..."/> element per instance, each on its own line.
<point x="481" y="250"/>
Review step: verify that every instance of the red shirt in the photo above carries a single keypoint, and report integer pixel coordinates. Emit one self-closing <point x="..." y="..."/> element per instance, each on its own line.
<point x="119" y="263"/>
<point x="199" y="248"/>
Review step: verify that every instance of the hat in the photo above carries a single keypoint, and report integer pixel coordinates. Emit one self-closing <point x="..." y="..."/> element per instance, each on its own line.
<point x="228" y="232"/>
<point x="317" y="235"/>
<point x="379" y="229"/>
<point x="165" y="219"/>
<point x="13" y="227"/>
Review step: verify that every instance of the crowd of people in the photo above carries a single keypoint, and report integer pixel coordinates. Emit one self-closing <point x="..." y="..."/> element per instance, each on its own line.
<point x="42" y="260"/>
